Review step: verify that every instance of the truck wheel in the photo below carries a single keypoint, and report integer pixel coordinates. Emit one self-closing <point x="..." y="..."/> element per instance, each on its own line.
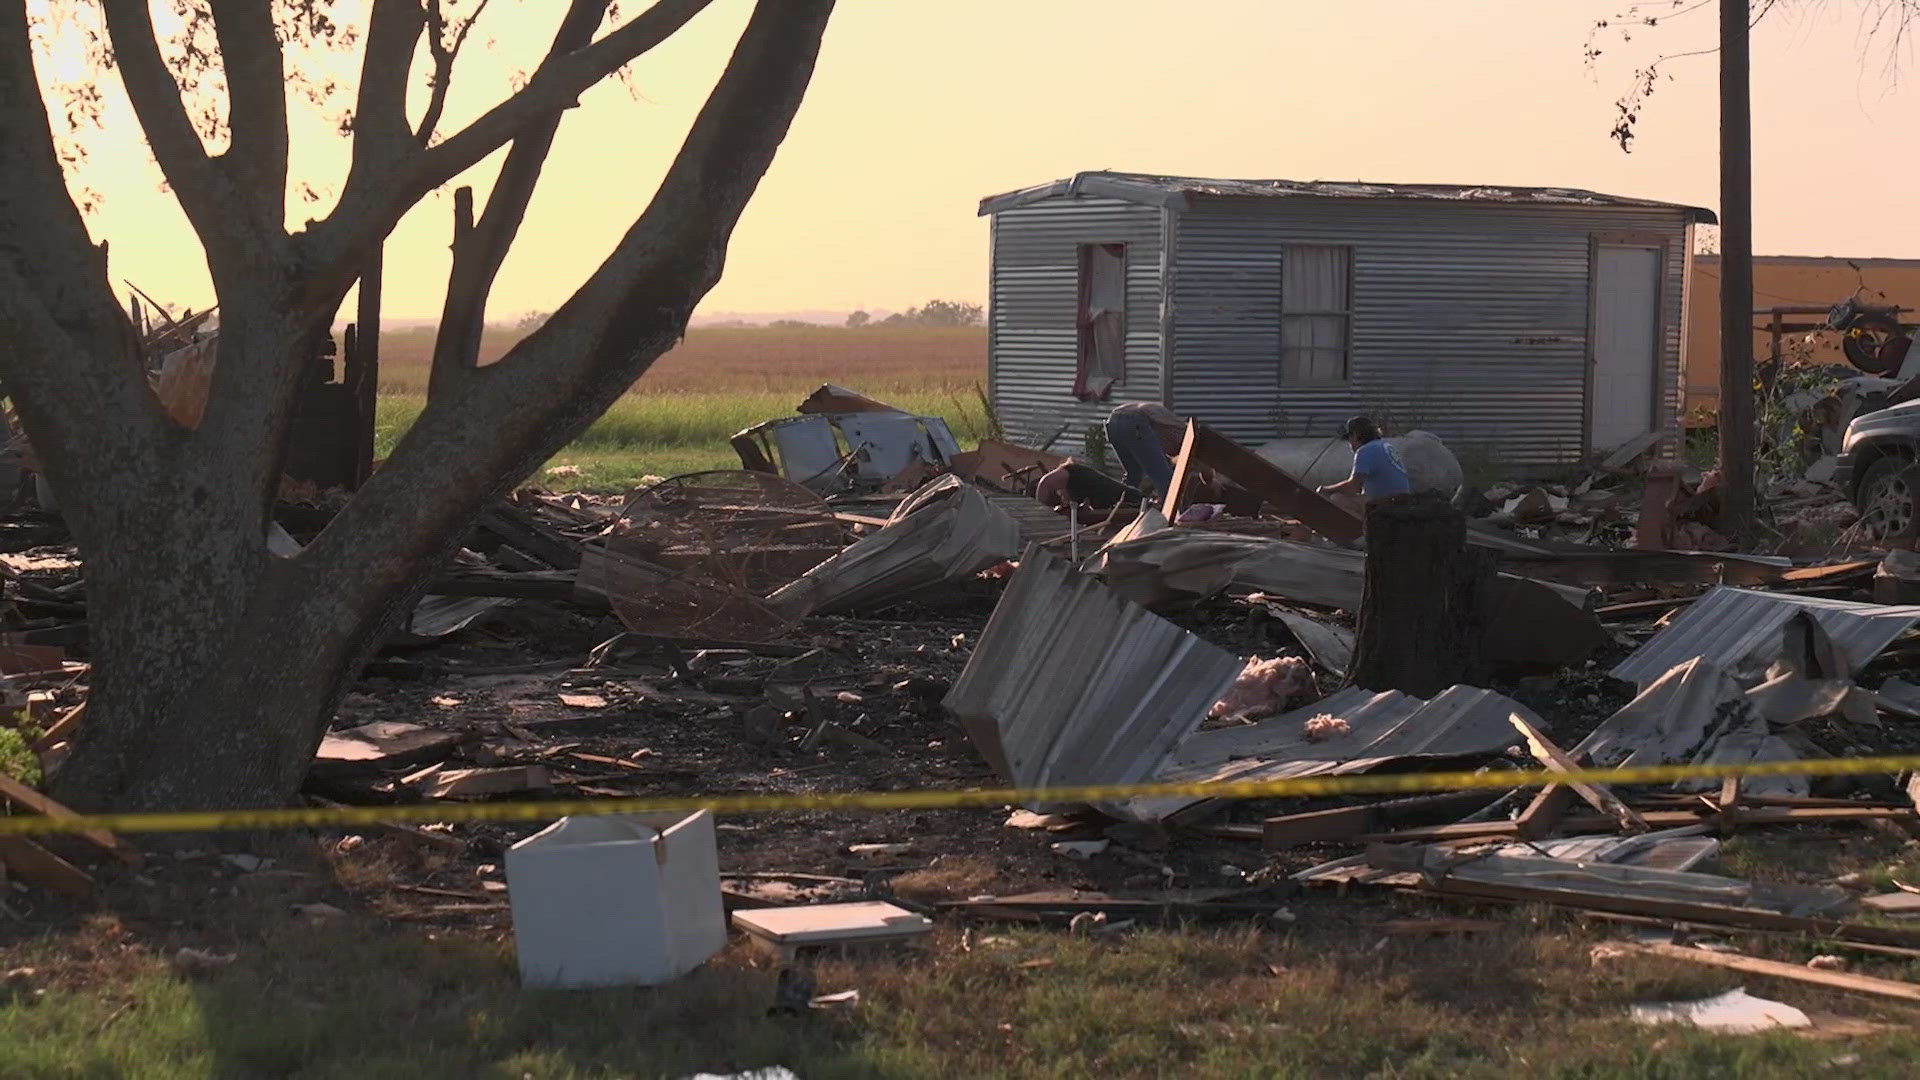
<point x="1889" y="499"/>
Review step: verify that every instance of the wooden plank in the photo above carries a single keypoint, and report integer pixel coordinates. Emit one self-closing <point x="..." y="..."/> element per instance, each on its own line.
<point x="62" y="728"/>
<point x="1753" y="965"/>
<point x="1679" y="910"/>
<point x="1644" y="607"/>
<point x="1543" y="815"/>
<point x="860" y="519"/>
<point x="1558" y="760"/>
<point x="602" y="759"/>
<point x="1349" y="822"/>
<point x="1320" y="826"/>
<point x="30" y="861"/>
<point x="24" y="797"/>
<point x="1656" y="509"/>
<point x="1657" y="819"/>
<point x="1183" y="467"/>
<point x="1263" y="478"/>
<point x="1905" y="953"/>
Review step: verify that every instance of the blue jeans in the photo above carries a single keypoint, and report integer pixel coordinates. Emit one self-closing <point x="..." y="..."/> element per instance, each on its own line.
<point x="1137" y="446"/>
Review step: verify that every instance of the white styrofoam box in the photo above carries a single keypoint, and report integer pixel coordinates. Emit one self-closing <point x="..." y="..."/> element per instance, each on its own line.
<point x="621" y="900"/>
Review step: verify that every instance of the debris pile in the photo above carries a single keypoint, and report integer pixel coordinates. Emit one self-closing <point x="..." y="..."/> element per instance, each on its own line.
<point x="865" y="606"/>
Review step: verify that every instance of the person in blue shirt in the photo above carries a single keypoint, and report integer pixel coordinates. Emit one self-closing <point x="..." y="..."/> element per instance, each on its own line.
<point x="1377" y="472"/>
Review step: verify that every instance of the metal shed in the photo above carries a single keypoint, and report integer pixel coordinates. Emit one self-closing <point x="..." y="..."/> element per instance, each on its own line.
<point x="1533" y="325"/>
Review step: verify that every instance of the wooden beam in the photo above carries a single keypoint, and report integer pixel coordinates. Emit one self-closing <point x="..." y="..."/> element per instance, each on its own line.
<point x="1320" y="826"/>
<point x="1667" y="909"/>
<point x="1205" y="446"/>
<point x="30" y="861"/>
<point x="1558" y="760"/>
<point x="1753" y="965"/>
<point x="24" y="797"/>
<point x="1543" y="815"/>
<point x="1176" y="497"/>
<point x="1349" y="822"/>
<point x="62" y="728"/>
<point x="1656" y="819"/>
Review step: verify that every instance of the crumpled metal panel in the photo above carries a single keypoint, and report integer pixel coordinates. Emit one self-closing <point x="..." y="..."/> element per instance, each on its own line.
<point x="946" y="531"/>
<point x="1071" y="684"/>
<point x="1740" y="628"/>
<point x="1460" y="721"/>
<point x="1695" y="714"/>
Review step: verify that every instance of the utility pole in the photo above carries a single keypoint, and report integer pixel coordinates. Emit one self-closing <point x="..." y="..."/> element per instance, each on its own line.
<point x="1736" y="274"/>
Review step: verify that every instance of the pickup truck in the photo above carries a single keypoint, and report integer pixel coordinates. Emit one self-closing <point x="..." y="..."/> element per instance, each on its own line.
<point x="1877" y="470"/>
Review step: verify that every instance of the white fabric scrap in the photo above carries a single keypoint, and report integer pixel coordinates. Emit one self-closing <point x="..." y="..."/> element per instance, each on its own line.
<point x="1734" y="1011"/>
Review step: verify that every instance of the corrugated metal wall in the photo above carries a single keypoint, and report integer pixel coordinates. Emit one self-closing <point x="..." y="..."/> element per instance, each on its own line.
<point x="1032" y="343"/>
<point x="1469" y="320"/>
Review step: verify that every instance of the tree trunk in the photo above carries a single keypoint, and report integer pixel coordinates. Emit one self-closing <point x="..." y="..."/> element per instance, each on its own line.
<point x="216" y="666"/>
<point x="1420" y="622"/>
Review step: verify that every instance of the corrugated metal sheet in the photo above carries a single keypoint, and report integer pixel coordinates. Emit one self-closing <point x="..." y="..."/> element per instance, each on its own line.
<point x="1460" y="721"/>
<point x="1174" y="191"/>
<point x="1469" y="320"/>
<point x="943" y="532"/>
<point x="1034" y="294"/>
<point x="1071" y="684"/>
<point x="1694" y="714"/>
<point x="1735" y="628"/>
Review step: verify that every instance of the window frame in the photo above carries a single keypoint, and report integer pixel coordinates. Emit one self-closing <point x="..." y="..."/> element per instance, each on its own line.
<point x="1345" y="316"/>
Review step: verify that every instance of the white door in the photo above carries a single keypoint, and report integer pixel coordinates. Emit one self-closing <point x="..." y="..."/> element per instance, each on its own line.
<point x="1626" y="342"/>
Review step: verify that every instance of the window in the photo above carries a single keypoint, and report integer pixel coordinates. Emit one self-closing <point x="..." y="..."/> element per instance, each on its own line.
<point x="1102" y="361"/>
<point x="1316" y="314"/>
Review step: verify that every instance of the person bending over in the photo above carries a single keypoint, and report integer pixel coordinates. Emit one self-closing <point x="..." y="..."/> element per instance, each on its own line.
<point x="1377" y="472"/>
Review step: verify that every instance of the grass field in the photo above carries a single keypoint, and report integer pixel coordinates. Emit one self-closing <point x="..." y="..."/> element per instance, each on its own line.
<point x="679" y="415"/>
<point x="356" y="999"/>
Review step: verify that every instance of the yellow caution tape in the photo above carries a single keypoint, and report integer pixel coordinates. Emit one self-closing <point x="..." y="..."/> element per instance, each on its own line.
<point x="546" y="810"/>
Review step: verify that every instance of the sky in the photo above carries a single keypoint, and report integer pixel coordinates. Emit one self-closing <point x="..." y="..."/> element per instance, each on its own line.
<point x="919" y="108"/>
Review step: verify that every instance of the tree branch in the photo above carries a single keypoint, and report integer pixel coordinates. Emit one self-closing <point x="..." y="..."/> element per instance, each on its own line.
<point x="67" y="351"/>
<point x="382" y="139"/>
<point x="372" y="201"/>
<point x="205" y="196"/>
<point x="479" y="250"/>
<point x="256" y="73"/>
<point x="500" y="421"/>
<point x="444" y="54"/>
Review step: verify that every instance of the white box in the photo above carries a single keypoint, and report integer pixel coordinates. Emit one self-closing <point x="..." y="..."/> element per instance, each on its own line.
<point x="621" y="900"/>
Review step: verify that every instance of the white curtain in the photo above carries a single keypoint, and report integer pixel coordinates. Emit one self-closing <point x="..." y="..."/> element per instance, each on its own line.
<point x="1103" y="363"/>
<point x="1314" y="306"/>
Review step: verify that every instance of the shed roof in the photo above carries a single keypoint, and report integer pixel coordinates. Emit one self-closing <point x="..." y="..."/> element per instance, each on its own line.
<point x="1174" y="191"/>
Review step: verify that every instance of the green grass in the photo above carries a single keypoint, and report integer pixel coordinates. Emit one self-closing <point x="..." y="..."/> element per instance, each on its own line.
<point x="668" y="434"/>
<point x="1328" y="998"/>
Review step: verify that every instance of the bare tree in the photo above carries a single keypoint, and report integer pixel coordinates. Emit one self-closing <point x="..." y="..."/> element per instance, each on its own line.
<point x="217" y="664"/>
<point x="1884" y="26"/>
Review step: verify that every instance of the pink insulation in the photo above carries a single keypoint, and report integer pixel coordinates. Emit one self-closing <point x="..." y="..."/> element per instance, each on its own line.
<point x="1264" y="687"/>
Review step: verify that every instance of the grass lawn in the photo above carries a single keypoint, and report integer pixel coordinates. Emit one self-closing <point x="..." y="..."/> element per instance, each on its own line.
<point x="1331" y="995"/>
<point x="683" y="431"/>
<point x="678" y="417"/>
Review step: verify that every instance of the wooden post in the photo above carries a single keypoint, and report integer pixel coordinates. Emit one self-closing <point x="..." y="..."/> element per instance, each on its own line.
<point x="361" y="370"/>
<point x="1736" y="274"/>
<point x="1420" y="612"/>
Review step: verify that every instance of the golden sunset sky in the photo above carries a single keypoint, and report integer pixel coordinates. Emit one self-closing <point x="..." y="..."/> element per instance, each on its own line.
<point x="919" y="108"/>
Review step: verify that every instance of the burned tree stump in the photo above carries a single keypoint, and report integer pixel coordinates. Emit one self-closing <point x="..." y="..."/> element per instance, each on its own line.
<point x="1420" y="614"/>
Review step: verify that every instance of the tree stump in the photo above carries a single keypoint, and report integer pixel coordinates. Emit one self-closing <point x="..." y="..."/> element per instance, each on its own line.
<point x="1420" y="614"/>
